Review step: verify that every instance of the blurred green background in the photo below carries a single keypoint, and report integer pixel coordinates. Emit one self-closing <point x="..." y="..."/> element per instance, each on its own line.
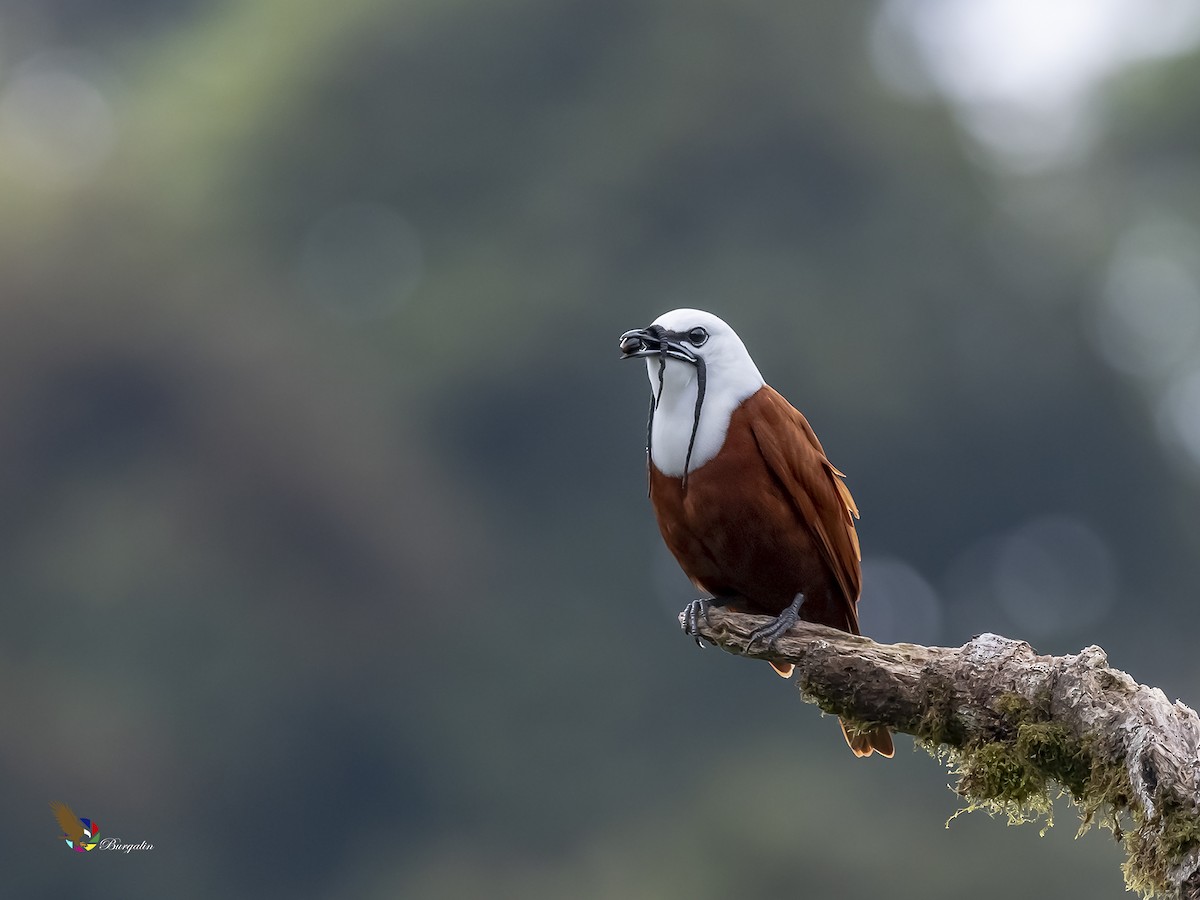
<point x="327" y="562"/>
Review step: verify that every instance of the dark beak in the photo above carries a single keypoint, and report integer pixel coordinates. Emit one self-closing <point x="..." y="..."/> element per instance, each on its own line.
<point x="653" y="341"/>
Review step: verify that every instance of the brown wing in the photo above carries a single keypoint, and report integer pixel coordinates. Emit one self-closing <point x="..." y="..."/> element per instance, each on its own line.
<point x="796" y="458"/>
<point x="67" y="821"/>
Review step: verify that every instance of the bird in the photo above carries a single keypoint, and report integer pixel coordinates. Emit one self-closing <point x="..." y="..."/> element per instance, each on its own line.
<point x="745" y="498"/>
<point x="71" y="824"/>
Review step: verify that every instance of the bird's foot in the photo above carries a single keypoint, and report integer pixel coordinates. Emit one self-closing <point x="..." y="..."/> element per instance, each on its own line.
<point x="768" y="634"/>
<point x="689" y="619"/>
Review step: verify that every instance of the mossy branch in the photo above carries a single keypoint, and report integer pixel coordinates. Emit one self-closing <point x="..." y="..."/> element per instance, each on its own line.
<point x="1019" y="728"/>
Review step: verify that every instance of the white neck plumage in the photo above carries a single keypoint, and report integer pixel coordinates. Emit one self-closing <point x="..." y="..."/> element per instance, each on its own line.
<point x="728" y="384"/>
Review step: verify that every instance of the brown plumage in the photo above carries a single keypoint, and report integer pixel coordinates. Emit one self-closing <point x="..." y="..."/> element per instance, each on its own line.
<point x="71" y="827"/>
<point x="768" y="518"/>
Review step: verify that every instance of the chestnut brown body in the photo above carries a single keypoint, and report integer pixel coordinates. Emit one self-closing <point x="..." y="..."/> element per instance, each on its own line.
<point x="768" y="518"/>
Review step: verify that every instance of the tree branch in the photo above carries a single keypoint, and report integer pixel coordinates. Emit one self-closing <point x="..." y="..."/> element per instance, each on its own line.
<point x="1018" y="727"/>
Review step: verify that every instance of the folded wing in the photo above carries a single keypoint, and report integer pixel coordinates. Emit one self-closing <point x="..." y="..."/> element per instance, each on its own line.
<point x="798" y="462"/>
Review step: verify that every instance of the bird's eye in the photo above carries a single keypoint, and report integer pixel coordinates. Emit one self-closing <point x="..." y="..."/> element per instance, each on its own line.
<point x="697" y="336"/>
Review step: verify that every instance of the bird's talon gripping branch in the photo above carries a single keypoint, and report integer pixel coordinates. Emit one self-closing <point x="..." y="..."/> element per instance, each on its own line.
<point x="692" y="614"/>
<point x="768" y="634"/>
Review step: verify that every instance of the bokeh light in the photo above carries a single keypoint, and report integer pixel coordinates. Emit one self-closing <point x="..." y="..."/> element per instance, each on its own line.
<point x="1054" y="575"/>
<point x="1179" y="415"/>
<point x="1148" y="315"/>
<point x="57" y="126"/>
<point x="1023" y="74"/>
<point x="898" y="604"/>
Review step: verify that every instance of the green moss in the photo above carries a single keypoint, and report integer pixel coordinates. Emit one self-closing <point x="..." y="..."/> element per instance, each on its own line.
<point x="938" y="725"/>
<point x="1179" y="834"/>
<point x="998" y="777"/>
<point x="1015" y="707"/>
<point x="1154" y="847"/>
<point x="1029" y="761"/>
<point x="1016" y="772"/>
<point x="1051" y="749"/>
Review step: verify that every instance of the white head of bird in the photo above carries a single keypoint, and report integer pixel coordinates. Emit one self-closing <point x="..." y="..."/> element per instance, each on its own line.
<point x="700" y="372"/>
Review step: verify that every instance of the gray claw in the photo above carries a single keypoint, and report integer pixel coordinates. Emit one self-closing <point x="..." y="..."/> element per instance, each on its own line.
<point x="771" y="632"/>
<point x="692" y="614"/>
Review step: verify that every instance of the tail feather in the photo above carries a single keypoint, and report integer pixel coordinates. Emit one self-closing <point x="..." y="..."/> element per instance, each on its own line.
<point x="864" y="743"/>
<point x="783" y="670"/>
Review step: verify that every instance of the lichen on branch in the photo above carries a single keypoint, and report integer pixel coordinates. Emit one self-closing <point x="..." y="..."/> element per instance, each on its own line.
<point x="1018" y="729"/>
